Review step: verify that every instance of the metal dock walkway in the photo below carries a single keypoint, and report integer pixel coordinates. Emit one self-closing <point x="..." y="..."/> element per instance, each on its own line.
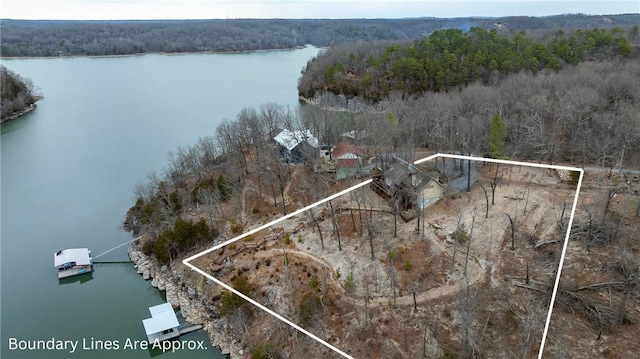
<point x="188" y="328"/>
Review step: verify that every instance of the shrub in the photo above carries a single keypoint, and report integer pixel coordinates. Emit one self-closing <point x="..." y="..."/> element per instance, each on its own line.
<point x="407" y="265"/>
<point x="446" y="312"/>
<point x="234" y="226"/>
<point x="224" y="188"/>
<point x="230" y="301"/>
<point x="338" y="274"/>
<point x="160" y="249"/>
<point x="574" y="177"/>
<point x="147" y="248"/>
<point x="310" y="307"/>
<point x="461" y="234"/>
<point x="313" y="282"/>
<point x="449" y="353"/>
<point x="606" y="353"/>
<point x="287" y="238"/>
<point x="350" y="283"/>
<point x="265" y="350"/>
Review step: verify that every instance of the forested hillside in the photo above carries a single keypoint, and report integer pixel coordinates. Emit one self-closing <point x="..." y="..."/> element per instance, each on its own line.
<point x="451" y="58"/>
<point x="95" y="38"/>
<point x="17" y="94"/>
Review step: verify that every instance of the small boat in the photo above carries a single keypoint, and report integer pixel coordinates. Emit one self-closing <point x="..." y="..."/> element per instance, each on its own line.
<point x="72" y="262"/>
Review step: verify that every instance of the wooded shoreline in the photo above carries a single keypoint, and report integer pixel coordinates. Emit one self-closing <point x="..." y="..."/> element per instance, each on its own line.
<point x="43" y="38"/>
<point x="21" y="113"/>
<point x="153" y="53"/>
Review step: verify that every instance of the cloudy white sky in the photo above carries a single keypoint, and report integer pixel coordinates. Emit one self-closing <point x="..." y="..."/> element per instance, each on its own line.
<point x="220" y="9"/>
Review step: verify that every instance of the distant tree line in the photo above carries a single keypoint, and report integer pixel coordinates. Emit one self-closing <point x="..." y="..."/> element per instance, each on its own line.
<point x="16" y="93"/>
<point x="451" y="58"/>
<point x="586" y="114"/>
<point x="99" y="38"/>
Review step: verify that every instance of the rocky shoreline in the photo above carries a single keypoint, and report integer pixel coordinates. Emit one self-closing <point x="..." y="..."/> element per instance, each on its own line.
<point x="17" y="114"/>
<point x="181" y="295"/>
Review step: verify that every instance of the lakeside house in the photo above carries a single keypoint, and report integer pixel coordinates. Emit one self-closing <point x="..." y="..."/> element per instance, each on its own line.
<point x="163" y="324"/>
<point x="407" y="184"/>
<point x="73" y="261"/>
<point x="297" y="145"/>
<point x="348" y="160"/>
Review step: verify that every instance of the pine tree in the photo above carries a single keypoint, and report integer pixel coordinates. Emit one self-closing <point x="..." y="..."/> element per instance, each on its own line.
<point x="497" y="136"/>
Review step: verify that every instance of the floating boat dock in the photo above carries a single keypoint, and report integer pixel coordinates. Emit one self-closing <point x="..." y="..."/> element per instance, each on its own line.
<point x="72" y="262"/>
<point x="164" y="325"/>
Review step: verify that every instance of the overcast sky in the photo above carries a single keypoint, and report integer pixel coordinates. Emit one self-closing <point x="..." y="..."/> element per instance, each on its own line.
<point x="220" y="9"/>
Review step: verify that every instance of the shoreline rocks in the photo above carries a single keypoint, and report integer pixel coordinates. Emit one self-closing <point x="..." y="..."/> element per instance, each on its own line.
<point x="17" y="114"/>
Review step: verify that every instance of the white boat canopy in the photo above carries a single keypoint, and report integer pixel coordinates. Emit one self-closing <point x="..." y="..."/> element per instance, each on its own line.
<point x="81" y="256"/>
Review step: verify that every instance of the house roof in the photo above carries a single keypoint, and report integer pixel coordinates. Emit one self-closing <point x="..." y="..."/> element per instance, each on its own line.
<point x="82" y="256"/>
<point x="355" y="135"/>
<point x="401" y="170"/>
<point x="398" y="172"/>
<point x="423" y="179"/>
<point x="291" y="139"/>
<point x="347" y="150"/>
<point x="162" y="318"/>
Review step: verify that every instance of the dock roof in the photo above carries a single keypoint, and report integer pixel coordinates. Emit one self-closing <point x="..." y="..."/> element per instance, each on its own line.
<point x="82" y="256"/>
<point x="162" y="318"/>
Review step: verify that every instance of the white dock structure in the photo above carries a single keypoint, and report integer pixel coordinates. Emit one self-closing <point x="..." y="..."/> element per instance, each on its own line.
<point x="163" y="323"/>
<point x="73" y="261"/>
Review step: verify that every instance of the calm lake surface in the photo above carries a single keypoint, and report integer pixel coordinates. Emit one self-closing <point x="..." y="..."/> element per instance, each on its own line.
<point x="69" y="169"/>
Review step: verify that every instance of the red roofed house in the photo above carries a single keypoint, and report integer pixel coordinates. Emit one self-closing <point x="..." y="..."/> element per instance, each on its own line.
<point x="349" y="160"/>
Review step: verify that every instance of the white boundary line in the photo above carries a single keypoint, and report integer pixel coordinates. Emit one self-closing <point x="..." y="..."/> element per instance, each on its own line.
<point x="566" y="238"/>
<point x="292" y="214"/>
<point x="255" y="230"/>
<point x="327" y="199"/>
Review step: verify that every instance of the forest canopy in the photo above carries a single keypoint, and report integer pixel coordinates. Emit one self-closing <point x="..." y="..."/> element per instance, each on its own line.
<point x="99" y="38"/>
<point x="451" y="58"/>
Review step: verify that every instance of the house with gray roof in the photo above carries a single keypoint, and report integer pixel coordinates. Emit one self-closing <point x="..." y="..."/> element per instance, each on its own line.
<point x="297" y="145"/>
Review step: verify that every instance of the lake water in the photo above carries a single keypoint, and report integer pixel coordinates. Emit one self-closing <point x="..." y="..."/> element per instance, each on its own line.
<point x="68" y="171"/>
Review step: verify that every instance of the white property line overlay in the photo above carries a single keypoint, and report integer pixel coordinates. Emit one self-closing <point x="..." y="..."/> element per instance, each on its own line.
<point x="566" y="238"/>
<point x="327" y="199"/>
<point x="255" y="230"/>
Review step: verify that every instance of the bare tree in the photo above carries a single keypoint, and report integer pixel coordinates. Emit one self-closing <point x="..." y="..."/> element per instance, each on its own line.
<point x="315" y="222"/>
<point x="473" y="222"/>
<point x="336" y="228"/>
<point x="513" y="232"/>
<point x="486" y="197"/>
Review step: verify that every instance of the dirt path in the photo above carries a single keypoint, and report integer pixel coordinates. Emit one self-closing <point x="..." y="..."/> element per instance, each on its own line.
<point x="475" y="274"/>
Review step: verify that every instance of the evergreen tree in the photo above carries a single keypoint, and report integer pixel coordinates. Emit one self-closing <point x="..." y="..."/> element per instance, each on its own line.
<point x="497" y="136"/>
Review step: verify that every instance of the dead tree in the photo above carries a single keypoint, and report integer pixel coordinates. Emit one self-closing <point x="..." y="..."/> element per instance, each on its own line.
<point x="392" y="276"/>
<point x="494" y="183"/>
<point x="486" y="197"/>
<point x="336" y="229"/>
<point x="455" y="240"/>
<point x="315" y="222"/>
<point x="528" y="191"/>
<point x="513" y="232"/>
<point x="473" y="222"/>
